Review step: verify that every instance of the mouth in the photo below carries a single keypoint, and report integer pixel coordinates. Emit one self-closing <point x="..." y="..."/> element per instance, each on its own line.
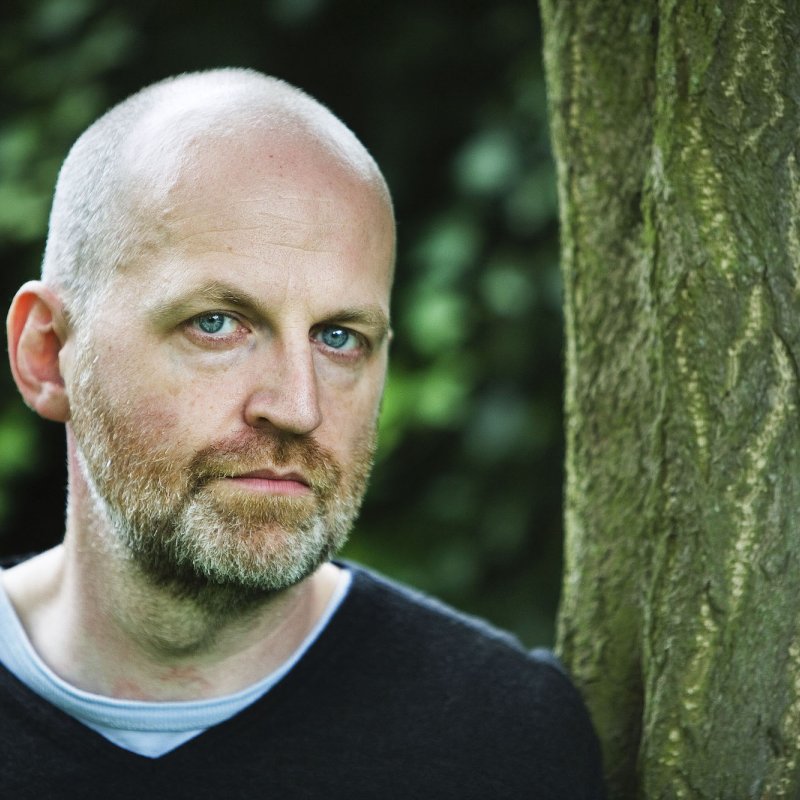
<point x="267" y="481"/>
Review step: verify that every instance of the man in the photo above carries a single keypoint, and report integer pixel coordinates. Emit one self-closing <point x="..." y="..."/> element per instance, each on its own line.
<point x="212" y="325"/>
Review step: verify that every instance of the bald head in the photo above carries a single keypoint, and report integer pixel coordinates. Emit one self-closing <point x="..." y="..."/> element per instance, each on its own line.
<point x="195" y="133"/>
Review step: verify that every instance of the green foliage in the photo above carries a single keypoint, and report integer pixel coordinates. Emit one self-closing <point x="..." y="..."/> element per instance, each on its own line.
<point x="449" y="97"/>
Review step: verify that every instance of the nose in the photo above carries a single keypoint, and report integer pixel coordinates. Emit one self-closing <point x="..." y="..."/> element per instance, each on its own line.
<point x="286" y="394"/>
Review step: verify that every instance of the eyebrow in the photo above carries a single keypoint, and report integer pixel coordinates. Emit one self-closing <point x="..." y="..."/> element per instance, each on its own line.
<point x="369" y="316"/>
<point x="212" y="292"/>
<point x="217" y="293"/>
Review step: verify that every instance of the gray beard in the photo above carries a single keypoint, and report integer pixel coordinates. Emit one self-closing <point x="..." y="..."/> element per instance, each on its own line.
<point x="216" y="564"/>
<point x="168" y="522"/>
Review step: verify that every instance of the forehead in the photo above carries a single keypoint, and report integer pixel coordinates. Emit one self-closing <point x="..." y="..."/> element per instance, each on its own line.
<point x="201" y="150"/>
<point x="291" y="193"/>
<point x="282" y="214"/>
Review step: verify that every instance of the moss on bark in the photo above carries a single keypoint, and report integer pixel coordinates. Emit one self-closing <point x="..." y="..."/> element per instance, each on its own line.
<point x="675" y="132"/>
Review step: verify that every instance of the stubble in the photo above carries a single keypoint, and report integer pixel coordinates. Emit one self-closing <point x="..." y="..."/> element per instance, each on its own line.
<point x="172" y="518"/>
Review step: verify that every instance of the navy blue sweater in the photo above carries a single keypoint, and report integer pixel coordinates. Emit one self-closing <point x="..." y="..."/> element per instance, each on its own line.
<point x="400" y="697"/>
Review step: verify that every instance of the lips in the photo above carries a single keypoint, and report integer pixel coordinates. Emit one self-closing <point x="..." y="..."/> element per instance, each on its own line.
<point x="272" y="475"/>
<point x="270" y="482"/>
<point x="267" y="464"/>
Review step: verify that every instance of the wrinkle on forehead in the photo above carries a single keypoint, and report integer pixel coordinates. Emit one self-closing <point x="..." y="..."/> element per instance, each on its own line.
<point x="305" y="222"/>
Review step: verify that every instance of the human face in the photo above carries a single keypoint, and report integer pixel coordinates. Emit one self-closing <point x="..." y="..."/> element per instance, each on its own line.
<point x="224" y="391"/>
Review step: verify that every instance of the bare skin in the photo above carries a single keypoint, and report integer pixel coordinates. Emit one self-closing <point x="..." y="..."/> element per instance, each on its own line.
<point x="310" y="239"/>
<point x="93" y="637"/>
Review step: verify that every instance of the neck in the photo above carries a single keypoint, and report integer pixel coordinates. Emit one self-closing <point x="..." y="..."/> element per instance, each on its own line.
<point x="104" y="627"/>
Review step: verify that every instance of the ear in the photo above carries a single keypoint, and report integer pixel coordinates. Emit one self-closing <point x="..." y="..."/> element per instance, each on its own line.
<point x="36" y="333"/>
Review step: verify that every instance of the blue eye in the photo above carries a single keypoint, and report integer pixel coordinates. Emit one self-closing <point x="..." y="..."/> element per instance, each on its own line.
<point x="338" y="338"/>
<point x="335" y="337"/>
<point x="214" y="323"/>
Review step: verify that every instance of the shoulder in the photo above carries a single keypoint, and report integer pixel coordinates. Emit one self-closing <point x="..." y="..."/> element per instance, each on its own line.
<point x="442" y="642"/>
<point x="485" y="691"/>
<point x="408" y="620"/>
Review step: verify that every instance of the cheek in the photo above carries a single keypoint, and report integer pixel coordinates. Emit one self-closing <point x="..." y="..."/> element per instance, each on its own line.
<point x="349" y="422"/>
<point x="153" y="417"/>
<point x="150" y="426"/>
<point x="181" y="400"/>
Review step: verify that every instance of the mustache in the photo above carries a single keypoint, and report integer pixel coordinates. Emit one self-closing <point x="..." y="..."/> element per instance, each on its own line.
<point x="267" y="450"/>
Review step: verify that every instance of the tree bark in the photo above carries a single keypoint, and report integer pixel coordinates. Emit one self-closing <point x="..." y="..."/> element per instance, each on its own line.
<point x="676" y="131"/>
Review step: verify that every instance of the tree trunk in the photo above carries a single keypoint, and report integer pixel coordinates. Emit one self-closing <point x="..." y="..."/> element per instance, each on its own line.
<point x="676" y="130"/>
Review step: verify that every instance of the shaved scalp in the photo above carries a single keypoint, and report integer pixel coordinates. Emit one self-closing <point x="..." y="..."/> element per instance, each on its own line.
<point x="117" y="177"/>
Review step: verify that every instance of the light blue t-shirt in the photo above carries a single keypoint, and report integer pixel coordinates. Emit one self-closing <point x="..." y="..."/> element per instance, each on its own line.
<point x="147" y="728"/>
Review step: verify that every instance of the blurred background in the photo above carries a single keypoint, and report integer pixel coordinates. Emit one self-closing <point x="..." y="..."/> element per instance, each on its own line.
<point x="449" y="97"/>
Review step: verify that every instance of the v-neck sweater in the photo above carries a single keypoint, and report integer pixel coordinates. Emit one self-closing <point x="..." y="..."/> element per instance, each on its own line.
<point x="144" y="727"/>
<point x="399" y="697"/>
